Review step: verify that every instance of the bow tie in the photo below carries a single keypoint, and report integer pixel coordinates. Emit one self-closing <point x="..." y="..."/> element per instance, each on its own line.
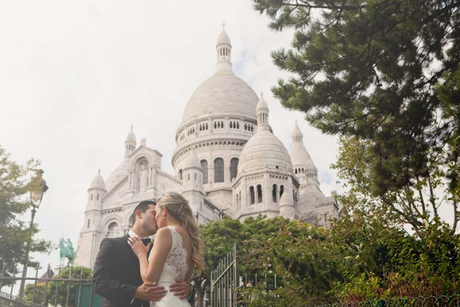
<point x="146" y="241"/>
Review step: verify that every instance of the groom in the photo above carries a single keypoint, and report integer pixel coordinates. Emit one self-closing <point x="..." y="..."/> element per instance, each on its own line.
<point x="116" y="274"/>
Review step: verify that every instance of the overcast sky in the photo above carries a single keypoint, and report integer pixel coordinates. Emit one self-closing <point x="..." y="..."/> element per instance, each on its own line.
<point x="74" y="76"/>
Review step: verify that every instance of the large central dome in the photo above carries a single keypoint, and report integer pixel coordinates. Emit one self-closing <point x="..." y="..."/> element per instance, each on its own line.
<point x="222" y="94"/>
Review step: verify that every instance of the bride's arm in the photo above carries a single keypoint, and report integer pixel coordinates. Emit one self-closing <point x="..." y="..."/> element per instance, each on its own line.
<point x="151" y="269"/>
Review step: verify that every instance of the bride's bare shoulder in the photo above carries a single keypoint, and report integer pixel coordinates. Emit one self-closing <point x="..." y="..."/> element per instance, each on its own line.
<point x="163" y="235"/>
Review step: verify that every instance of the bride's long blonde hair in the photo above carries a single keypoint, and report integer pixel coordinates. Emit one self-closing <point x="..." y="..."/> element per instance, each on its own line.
<point x="179" y="208"/>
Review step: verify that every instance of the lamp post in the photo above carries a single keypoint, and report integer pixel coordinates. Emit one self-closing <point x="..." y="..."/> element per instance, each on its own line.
<point x="37" y="189"/>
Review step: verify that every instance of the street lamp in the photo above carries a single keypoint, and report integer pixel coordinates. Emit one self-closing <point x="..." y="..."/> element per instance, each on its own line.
<point x="37" y="189"/>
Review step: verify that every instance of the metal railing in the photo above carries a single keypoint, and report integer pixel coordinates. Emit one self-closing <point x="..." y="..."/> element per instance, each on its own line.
<point x="46" y="290"/>
<point x="7" y="300"/>
<point x="225" y="283"/>
<point x="225" y="280"/>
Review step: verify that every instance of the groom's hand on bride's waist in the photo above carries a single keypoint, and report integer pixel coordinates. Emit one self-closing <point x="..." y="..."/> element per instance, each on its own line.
<point x="181" y="288"/>
<point x="149" y="291"/>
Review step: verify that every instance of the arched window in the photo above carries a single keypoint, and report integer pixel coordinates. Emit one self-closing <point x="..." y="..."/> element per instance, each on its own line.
<point x="233" y="168"/>
<point x="252" y="195"/>
<point x="180" y="174"/>
<point x="259" y="193"/>
<point x="281" y="190"/>
<point x="204" y="167"/>
<point x="219" y="170"/>
<point x="274" y="193"/>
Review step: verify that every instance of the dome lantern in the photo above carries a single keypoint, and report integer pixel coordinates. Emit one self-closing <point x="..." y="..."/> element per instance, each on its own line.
<point x="262" y="112"/>
<point x="224" y="51"/>
<point x="130" y="142"/>
<point x="297" y="136"/>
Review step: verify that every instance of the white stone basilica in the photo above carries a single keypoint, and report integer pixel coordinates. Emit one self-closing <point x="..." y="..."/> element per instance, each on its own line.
<point x="227" y="162"/>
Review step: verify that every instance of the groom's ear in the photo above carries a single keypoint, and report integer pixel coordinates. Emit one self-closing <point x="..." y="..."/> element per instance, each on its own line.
<point x="138" y="215"/>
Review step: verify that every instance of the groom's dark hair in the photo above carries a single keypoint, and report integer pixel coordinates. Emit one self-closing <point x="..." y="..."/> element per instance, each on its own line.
<point x="143" y="206"/>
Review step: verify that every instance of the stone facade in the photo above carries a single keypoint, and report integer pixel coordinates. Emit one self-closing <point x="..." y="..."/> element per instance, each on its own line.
<point x="227" y="162"/>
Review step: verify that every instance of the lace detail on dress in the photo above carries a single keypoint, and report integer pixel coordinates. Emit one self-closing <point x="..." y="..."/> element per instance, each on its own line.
<point x="177" y="257"/>
<point x="175" y="268"/>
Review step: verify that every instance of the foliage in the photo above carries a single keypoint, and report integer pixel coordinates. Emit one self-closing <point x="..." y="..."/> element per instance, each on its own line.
<point x="220" y="236"/>
<point x="57" y="290"/>
<point x="386" y="73"/>
<point x="35" y="293"/>
<point x="363" y="256"/>
<point x="416" y="204"/>
<point x="297" y="254"/>
<point x="15" y="182"/>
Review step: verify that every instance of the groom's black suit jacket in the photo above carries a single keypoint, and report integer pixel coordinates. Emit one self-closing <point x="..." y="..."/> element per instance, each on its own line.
<point x="116" y="274"/>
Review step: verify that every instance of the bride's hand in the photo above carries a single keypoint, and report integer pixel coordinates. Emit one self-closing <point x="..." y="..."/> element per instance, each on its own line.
<point x="138" y="246"/>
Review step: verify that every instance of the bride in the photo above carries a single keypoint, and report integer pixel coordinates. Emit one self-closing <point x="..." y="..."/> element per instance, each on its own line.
<point x="177" y="248"/>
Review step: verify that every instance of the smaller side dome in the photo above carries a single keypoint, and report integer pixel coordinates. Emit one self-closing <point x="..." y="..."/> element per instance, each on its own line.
<point x="192" y="162"/>
<point x="299" y="155"/>
<point x="264" y="148"/>
<point x="98" y="182"/>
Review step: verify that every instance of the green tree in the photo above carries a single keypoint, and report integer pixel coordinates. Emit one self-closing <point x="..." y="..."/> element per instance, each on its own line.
<point x="220" y="236"/>
<point x="35" y="293"/>
<point x="386" y="73"/>
<point x="15" y="182"/>
<point x="364" y="256"/>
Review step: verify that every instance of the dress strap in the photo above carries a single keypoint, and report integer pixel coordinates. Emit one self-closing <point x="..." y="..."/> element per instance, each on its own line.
<point x="176" y="237"/>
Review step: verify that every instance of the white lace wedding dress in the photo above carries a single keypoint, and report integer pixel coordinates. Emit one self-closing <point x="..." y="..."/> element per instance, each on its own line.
<point x="175" y="268"/>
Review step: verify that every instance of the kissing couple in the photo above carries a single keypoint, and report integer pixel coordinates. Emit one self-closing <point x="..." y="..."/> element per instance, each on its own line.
<point x="131" y="271"/>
